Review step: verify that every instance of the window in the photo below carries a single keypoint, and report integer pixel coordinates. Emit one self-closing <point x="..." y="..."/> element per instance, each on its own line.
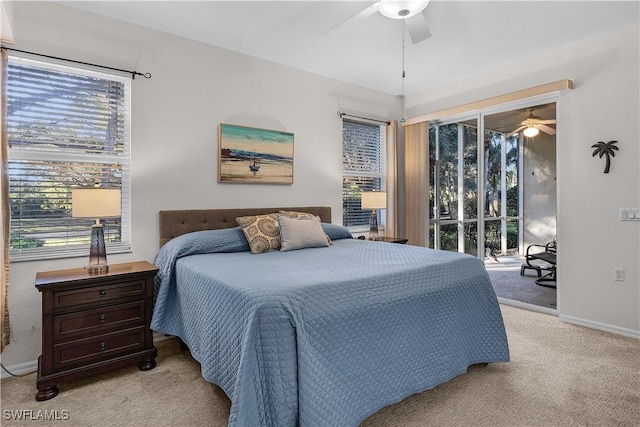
<point x="457" y="216"/>
<point x="66" y="128"/>
<point x="362" y="169"/>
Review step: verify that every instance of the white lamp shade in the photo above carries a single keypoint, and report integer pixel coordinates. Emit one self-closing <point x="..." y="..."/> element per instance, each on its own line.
<point x="531" y="131"/>
<point x="95" y="202"/>
<point x="401" y="9"/>
<point x="374" y="200"/>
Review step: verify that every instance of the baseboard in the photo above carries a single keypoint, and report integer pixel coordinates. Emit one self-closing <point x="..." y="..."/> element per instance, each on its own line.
<point x="21" y="369"/>
<point x="600" y="326"/>
<point x="29" y="367"/>
<point x="527" y="306"/>
<point x="157" y="337"/>
<point x="573" y="320"/>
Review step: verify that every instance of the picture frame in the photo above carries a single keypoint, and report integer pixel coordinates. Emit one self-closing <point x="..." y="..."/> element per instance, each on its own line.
<point x="249" y="155"/>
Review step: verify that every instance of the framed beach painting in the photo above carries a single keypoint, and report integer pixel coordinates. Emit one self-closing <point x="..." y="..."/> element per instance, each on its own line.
<point x="253" y="155"/>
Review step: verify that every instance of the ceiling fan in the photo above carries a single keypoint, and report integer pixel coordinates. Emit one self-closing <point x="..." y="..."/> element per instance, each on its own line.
<point x="411" y="11"/>
<point x="532" y="125"/>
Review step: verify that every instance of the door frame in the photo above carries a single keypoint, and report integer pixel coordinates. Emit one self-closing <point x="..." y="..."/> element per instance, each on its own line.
<point x="479" y="116"/>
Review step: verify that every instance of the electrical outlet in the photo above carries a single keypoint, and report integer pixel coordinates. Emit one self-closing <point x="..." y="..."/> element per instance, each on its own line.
<point x="618" y="274"/>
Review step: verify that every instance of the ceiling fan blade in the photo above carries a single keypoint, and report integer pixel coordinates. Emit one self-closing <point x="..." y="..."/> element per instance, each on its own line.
<point x="363" y="14"/>
<point x="517" y="130"/>
<point x="417" y="26"/>
<point x="548" y="122"/>
<point x="547" y="129"/>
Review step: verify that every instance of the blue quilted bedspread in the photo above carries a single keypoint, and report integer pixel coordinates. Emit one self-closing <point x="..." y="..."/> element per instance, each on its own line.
<point x="325" y="336"/>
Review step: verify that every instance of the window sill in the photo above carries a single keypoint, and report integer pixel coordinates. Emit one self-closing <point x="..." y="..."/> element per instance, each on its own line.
<point x="53" y="253"/>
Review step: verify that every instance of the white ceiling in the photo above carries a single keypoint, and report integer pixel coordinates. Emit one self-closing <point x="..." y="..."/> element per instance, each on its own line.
<point x="468" y="37"/>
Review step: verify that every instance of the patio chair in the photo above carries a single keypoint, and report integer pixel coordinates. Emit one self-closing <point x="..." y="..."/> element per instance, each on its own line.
<point x="542" y="258"/>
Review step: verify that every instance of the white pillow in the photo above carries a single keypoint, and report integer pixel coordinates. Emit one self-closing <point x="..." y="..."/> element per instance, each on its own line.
<point x="301" y="233"/>
<point x="302" y="215"/>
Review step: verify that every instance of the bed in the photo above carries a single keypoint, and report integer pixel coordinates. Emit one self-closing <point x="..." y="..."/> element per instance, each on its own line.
<point x="322" y="336"/>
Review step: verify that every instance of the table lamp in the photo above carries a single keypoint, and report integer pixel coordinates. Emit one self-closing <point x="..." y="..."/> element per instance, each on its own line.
<point x="96" y="203"/>
<point x="374" y="200"/>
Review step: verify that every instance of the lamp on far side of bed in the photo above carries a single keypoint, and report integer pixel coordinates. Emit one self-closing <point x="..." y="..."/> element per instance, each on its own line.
<point x="96" y="203"/>
<point x="374" y="200"/>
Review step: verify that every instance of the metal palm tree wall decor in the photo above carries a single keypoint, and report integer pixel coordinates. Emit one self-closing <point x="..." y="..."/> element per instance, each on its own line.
<point x="607" y="150"/>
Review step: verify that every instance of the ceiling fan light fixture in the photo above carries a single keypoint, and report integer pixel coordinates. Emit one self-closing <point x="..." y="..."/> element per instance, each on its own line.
<point x="401" y="9"/>
<point x="531" y="131"/>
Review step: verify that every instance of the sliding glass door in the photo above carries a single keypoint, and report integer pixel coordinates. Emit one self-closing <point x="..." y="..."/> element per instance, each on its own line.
<point x="474" y="197"/>
<point x="492" y="190"/>
<point x="502" y="211"/>
<point x="453" y="179"/>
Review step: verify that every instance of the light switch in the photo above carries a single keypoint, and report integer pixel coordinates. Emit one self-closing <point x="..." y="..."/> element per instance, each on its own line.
<point x="629" y="214"/>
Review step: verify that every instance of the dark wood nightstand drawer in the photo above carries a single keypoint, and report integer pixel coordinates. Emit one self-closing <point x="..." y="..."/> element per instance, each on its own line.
<point x="98" y="320"/>
<point x="101" y="347"/>
<point x="98" y="294"/>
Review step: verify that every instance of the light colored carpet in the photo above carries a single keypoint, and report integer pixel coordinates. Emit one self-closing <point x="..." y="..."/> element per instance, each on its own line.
<point x="559" y="375"/>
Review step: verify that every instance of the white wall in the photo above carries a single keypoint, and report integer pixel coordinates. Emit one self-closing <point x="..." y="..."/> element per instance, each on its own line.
<point x="603" y="106"/>
<point x="175" y="131"/>
<point x="6" y="17"/>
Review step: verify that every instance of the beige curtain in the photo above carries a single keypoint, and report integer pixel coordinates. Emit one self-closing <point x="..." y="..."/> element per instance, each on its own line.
<point x="391" y="224"/>
<point x="4" y="195"/>
<point x="416" y="183"/>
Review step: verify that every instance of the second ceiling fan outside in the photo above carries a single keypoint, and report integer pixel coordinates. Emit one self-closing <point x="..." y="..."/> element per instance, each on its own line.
<point x="533" y="124"/>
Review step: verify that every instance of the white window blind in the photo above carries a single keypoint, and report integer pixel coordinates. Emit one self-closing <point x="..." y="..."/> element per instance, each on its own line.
<point x="363" y="169"/>
<point x="66" y="128"/>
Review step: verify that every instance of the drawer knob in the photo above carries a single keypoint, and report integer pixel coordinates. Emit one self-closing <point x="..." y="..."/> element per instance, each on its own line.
<point x="102" y="318"/>
<point x="102" y="346"/>
<point x="103" y="292"/>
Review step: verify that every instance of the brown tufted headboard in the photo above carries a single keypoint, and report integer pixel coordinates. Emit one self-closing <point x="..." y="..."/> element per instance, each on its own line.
<point x="175" y="223"/>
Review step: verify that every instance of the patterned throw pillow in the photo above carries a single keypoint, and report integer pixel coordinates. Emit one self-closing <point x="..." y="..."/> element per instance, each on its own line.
<point x="297" y="215"/>
<point x="262" y="232"/>
<point x="302" y="215"/>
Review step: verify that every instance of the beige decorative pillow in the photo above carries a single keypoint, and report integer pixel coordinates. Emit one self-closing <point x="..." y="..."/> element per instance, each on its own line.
<point x="262" y="232"/>
<point x="303" y="215"/>
<point x="301" y="233"/>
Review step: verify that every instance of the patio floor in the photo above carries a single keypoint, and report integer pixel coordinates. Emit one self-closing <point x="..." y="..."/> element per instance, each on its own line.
<point x="509" y="284"/>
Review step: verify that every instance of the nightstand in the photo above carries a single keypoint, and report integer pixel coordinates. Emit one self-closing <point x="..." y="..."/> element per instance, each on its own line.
<point x="401" y="240"/>
<point x="94" y="323"/>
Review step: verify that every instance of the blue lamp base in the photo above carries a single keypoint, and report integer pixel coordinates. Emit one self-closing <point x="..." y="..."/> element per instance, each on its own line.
<point x="97" y="251"/>
<point x="373" y="226"/>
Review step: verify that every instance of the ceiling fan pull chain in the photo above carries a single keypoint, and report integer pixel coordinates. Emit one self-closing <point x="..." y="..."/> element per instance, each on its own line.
<point x="403" y="71"/>
<point x="403" y="118"/>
